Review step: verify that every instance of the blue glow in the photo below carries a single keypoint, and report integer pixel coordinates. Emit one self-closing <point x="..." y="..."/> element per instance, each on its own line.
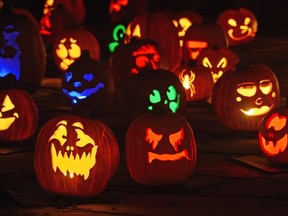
<point x="77" y="84"/>
<point x="88" y="77"/>
<point x="10" y="53"/>
<point x="68" y="76"/>
<point x="82" y="95"/>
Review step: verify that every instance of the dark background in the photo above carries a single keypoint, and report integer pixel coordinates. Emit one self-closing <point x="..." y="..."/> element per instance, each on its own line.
<point x="272" y="15"/>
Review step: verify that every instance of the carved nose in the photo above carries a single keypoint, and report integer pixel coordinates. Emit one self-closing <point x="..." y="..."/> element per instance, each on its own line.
<point x="259" y="101"/>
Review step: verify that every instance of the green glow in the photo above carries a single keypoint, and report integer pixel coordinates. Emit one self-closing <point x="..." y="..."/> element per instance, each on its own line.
<point x="117" y="34"/>
<point x="155" y="97"/>
<point x="171" y="93"/>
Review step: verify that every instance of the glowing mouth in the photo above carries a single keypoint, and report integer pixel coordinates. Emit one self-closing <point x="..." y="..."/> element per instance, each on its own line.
<point x="271" y="149"/>
<point x="5" y="123"/>
<point x="257" y="111"/>
<point x="79" y="165"/>
<point x="168" y="157"/>
<point x="249" y="34"/>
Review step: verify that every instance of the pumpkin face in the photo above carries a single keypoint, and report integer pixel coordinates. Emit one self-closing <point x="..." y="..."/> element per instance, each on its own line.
<point x="160" y="149"/>
<point x="75" y="156"/>
<point x="160" y="28"/>
<point x="70" y="44"/>
<point x="18" y="115"/>
<point x="22" y="53"/>
<point x="118" y="34"/>
<point x="242" y="97"/>
<point x="273" y="135"/>
<point x="196" y="81"/>
<point x="201" y="36"/>
<point x="88" y="83"/>
<point x="153" y="90"/>
<point x="218" y="60"/>
<point x="240" y="25"/>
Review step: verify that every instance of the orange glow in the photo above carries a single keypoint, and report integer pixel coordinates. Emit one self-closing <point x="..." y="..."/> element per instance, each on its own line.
<point x="195" y="47"/>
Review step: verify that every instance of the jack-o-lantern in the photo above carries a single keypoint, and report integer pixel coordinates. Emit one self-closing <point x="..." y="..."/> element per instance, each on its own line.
<point x="75" y="156"/>
<point x="134" y="57"/>
<point x="273" y="135"/>
<point x="22" y="52"/>
<point x="18" y="115"/>
<point x="88" y="83"/>
<point x="219" y="60"/>
<point x="70" y="44"/>
<point x="155" y="90"/>
<point x="183" y="20"/>
<point x="160" y="28"/>
<point x="118" y="34"/>
<point x="197" y="82"/>
<point x="160" y="149"/>
<point x="241" y="98"/>
<point x="201" y="36"/>
<point x="240" y="25"/>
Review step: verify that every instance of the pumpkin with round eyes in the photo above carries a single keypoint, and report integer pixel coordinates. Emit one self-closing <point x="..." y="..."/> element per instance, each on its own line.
<point x="69" y="45"/>
<point x="160" y="149"/>
<point x="273" y="135"/>
<point x="152" y="90"/>
<point x="241" y="98"/>
<point x="240" y="25"/>
<point x="18" y="115"/>
<point x="75" y="156"/>
<point x="202" y="36"/>
<point x="88" y="83"/>
<point x="218" y="60"/>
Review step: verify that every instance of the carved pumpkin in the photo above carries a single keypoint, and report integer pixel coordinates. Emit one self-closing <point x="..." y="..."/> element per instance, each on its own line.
<point x="273" y="135"/>
<point x="88" y="83"/>
<point x="70" y="44"/>
<point x="75" y="156"/>
<point x="22" y="52"/>
<point x="240" y="25"/>
<point x="160" y="149"/>
<point x="118" y="34"/>
<point x="219" y="60"/>
<point x="197" y="82"/>
<point x="18" y="115"/>
<point x="152" y="90"/>
<point x="134" y="57"/>
<point x="160" y="28"/>
<point x="241" y="98"/>
<point x="201" y="36"/>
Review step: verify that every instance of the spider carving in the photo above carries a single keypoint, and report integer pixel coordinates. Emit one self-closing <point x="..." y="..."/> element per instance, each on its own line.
<point x="187" y="81"/>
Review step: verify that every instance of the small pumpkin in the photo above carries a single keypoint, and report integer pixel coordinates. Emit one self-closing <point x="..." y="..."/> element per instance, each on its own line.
<point x="239" y="24"/>
<point x="241" y="98"/>
<point x="75" y="156"/>
<point x="18" y="115"/>
<point x="160" y="149"/>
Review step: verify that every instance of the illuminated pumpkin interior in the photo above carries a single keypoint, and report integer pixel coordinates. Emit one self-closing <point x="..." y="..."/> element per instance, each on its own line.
<point x="195" y="47"/>
<point x="7" y="115"/>
<point x="182" y="25"/>
<point x="45" y="24"/>
<point x="245" y="29"/>
<point x="175" y="140"/>
<point x="249" y="90"/>
<point x="172" y="99"/>
<point x="187" y="81"/>
<point x="10" y="53"/>
<point x="68" y="51"/>
<point x="118" y="34"/>
<point x="216" y="70"/>
<point x="136" y="32"/>
<point x="116" y="5"/>
<point x="72" y="157"/>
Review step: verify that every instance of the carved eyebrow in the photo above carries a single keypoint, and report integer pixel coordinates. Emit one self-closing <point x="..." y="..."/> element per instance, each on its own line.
<point x="152" y="138"/>
<point x="176" y="138"/>
<point x="63" y="122"/>
<point x="78" y="125"/>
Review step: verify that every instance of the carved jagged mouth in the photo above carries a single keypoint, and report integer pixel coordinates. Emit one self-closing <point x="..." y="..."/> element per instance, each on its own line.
<point x="168" y="157"/>
<point x="274" y="149"/>
<point x="257" y="111"/>
<point x="73" y="163"/>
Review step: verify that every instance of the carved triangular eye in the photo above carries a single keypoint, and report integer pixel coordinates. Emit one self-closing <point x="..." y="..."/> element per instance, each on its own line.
<point x="7" y="104"/>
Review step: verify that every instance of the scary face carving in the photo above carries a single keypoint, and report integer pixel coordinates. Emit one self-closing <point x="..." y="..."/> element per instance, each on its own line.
<point x="164" y="150"/>
<point x="7" y="114"/>
<point x="240" y="25"/>
<point x="70" y="157"/>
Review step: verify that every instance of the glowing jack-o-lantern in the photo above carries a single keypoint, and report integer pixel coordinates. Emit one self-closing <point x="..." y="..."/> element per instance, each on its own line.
<point x="160" y="149"/>
<point x="18" y="115"/>
<point x="273" y="135"/>
<point x="75" y="156"/>
<point x="196" y="81"/>
<point x="70" y="44"/>
<point x="202" y="36"/>
<point x="218" y="60"/>
<point x="160" y="28"/>
<point x="183" y="20"/>
<point x="240" y="25"/>
<point x="152" y="90"/>
<point x="22" y="52"/>
<point x="118" y="34"/>
<point x="88" y="83"/>
<point x="241" y="98"/>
